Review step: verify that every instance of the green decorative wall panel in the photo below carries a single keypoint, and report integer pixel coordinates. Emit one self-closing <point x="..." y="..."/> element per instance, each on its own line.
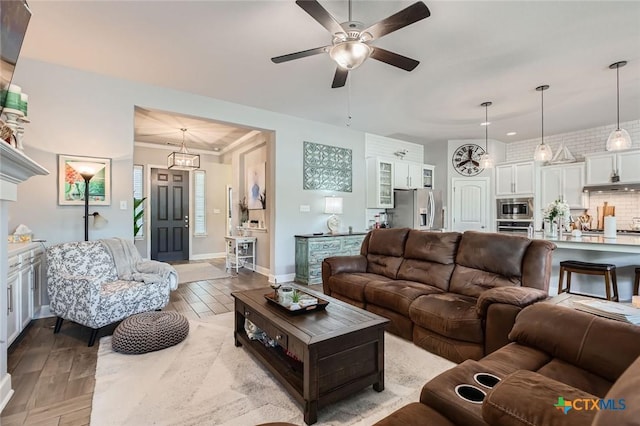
<point x="327" y="167"/>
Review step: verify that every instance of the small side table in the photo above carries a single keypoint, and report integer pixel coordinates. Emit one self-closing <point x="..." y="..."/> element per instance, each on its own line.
<point x="240" y="252"/>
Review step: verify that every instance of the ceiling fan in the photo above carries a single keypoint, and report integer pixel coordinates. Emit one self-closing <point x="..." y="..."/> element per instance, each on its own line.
<point x="351" y="44"/>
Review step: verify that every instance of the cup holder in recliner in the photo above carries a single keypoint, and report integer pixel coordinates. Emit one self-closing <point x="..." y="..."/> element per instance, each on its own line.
<point x="470" y="393"/>
<point x="487" y="380"/>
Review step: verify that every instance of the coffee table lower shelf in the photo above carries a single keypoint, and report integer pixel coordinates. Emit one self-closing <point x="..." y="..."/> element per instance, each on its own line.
<point x="276" y="361"/>
<point x="335" y="364"/>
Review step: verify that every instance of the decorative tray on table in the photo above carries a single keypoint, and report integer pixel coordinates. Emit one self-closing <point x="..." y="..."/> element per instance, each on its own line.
<point x="307" y="303"/>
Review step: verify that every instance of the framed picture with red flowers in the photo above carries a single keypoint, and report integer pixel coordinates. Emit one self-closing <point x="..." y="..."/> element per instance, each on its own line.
<point x="71" y="183"/>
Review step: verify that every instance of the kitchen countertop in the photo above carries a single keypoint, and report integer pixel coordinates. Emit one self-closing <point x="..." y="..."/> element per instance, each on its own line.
<point x="622" y="243"/>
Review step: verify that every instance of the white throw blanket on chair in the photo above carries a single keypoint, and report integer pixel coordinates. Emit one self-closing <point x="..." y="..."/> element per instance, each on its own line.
<point x="131" y="267"/>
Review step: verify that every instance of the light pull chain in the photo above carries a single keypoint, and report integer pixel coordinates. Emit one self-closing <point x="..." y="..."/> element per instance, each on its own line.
<point x="349" y="102"/>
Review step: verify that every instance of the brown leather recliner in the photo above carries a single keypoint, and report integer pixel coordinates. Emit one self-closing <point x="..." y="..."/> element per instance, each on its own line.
<point x="454" y="294"/>
<point x="563" y="367"/>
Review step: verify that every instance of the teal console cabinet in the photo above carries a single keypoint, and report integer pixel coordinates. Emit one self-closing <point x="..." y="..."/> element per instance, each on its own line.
<point x="311" y="250"/>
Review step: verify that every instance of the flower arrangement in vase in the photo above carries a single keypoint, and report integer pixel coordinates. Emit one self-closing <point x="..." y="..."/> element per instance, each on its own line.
<point x="553" y="215"/>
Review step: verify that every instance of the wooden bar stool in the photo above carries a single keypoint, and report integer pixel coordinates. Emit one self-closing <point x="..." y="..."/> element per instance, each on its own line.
<point x="636" y="282"/>
<point x="604" y="269"/>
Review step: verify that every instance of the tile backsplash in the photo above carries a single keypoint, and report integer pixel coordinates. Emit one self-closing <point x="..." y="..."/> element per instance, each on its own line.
<point x="627" y="207"/>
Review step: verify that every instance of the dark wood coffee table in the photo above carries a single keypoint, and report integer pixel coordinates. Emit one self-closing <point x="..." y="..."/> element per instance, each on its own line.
<point x="339" y="350"/>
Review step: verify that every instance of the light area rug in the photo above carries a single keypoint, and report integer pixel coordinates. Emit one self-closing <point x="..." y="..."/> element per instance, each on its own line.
<point x="206" y="380"/>
<point x="190" y="272"/>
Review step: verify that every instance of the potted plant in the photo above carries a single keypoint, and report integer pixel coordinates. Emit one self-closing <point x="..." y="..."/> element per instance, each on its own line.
<point x="138" y="213"/>
<point x="244" y="210"/>
<point x="295" y="300"/>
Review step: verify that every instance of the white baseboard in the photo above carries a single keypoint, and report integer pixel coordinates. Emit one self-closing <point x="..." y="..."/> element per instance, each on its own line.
<point x="284" y="278"/>
<point x="43" y="312"/>
<point x="206" y="256"/>
<point x="5" y="390"/>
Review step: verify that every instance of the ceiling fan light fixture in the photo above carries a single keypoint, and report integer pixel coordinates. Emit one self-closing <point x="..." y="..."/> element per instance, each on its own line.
<point x="350" y="54"/>
<point x="618" y="139"/>
<point x="182" y="159"/>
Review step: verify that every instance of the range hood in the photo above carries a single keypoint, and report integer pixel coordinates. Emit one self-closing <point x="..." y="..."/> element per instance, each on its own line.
<point x="613" y="187"/>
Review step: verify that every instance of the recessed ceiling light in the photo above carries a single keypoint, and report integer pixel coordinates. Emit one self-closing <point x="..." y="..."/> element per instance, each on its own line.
<point x="216" y="149"/>
<point x="486" y="123"/>
<point x="511" y="133"/>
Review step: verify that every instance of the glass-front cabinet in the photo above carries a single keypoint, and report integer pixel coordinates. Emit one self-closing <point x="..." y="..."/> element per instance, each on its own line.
<point x="427" y="176"/>
<point x="379" y="183"/>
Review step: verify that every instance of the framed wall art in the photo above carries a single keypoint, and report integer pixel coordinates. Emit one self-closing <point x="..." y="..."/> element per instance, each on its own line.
<point x="327" y="167"/>
<point x="71" y="184"/>
<point x="256" y="190"/>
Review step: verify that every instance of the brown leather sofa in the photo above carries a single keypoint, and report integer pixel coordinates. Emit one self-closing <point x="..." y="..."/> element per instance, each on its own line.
<point x="592" y="363"/>
<point x="456" y="295"/>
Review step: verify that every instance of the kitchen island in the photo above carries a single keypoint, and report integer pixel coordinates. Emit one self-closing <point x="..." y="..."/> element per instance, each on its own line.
<point x="622" y="251"/>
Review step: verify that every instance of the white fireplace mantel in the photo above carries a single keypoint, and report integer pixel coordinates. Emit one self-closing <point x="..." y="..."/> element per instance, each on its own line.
<point x="15" y="167"/>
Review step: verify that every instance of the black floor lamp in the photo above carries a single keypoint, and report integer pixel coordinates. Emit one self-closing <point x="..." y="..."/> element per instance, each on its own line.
<point x="87" y="170"/>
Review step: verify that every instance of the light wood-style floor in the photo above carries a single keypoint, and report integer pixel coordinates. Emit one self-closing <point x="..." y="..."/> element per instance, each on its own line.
<point x="53" y="374"/>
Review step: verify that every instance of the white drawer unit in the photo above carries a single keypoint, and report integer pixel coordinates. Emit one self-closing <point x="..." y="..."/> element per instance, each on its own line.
<point x="24" y="287"/>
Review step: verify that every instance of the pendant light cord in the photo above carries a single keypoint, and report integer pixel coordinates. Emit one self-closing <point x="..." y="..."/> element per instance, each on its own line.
<point x="486" y="127"/>
<point x="349" y="10"/>
<point x="618" y="92"/>
<point x="542" y="104"/>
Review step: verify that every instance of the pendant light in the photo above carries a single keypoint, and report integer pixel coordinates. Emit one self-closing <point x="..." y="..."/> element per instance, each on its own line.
<point x="486" y="162"/>
<point x="183" y="159"/>
<point x="619" y="138"/>
<point x="543" y="151"/>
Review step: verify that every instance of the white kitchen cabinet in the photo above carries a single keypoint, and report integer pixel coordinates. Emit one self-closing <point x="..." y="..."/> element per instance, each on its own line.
<point x="407" y="175"/>
<point x="428" y="174"/>
<point x="515" y="179"/>
<point x="601" y="166"/>
<point x="628" y="165"/>
<point x="379" y="183"/>
<point x="562" y="181"/>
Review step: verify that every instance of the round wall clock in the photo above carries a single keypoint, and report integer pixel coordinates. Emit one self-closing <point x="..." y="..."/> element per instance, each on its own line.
<point x="466" y="159"/>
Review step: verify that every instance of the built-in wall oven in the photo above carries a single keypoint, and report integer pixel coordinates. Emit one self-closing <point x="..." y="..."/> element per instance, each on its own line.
<point x="514" y="215"/>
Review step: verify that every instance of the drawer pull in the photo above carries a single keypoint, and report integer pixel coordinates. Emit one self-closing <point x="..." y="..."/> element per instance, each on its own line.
<point x="278" y="336"/>
<point x="246" y="313"/>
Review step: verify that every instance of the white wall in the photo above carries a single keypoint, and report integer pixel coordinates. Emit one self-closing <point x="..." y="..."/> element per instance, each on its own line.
<point x="80" y="113"/>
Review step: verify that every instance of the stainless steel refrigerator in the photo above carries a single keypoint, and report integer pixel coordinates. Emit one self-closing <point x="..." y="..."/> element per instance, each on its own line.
<point x="417" y="209"/>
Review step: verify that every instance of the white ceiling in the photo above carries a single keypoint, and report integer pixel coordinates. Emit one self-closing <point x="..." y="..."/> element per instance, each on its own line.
<point x="470" y="52"/>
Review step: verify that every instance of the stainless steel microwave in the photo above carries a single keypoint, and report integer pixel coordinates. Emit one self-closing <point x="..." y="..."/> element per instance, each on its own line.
<point x="515" y="208"/>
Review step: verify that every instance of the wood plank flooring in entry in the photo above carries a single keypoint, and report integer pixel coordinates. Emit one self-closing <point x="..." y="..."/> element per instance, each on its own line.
<point x="53" y="374"/>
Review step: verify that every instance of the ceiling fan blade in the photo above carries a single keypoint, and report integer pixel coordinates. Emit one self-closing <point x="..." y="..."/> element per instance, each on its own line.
<point x="298" y="55"/>
<point x="340" y="78"/>
<point x="320" y="14"/>
<point x="394" y="59"/>
<point x="407" y="16"/>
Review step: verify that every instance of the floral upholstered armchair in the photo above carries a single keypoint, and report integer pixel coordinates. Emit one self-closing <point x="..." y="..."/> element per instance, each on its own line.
<point x="96" y="283"/>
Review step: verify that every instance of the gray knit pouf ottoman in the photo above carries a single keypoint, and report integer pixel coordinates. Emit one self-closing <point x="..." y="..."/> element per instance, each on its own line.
<point x="149" y="331"/>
